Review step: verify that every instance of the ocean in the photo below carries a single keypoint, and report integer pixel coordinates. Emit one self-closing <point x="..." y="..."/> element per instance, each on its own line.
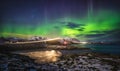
<point x="53" y="55"/>
<point x="105" y="48"/>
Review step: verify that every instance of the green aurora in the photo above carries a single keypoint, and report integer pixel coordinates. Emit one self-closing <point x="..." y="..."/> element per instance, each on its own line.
<point x="102" y="20"/>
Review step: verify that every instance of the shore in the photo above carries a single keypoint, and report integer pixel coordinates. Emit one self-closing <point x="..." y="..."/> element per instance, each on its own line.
<point x="88" y="61"/>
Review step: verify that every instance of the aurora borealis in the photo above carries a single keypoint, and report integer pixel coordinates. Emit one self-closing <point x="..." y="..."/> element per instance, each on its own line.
<point x="82" y="19"/>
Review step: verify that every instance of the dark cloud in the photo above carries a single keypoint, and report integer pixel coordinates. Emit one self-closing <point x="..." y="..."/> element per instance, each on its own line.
<point x="96" y="31"/>
<point x="112" y="31"/>
<point x="79" y="35"/>
<point x="81" y="29"/>
<point x="106" y="32"/>
<point x="73" y="25"/>
<point x="94" y="35"/>
<point x="112" y="35"/>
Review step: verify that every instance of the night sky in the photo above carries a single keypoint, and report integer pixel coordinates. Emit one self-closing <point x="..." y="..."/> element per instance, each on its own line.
<point x="97" y="20"/>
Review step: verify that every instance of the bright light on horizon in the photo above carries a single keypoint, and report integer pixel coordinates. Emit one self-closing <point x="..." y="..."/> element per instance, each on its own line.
<point x="84" y="42"/>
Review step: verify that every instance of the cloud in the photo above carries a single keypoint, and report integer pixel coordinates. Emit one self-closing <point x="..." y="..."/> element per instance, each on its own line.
<point x="105" y="34"/>
<point x="81" y="29"/>
<point x="94" y="35"/>
<point x="112" y="35"/>
<point x="112" y="31"/>
<point x="96" y="31"/>
<point x="73" y="25"/>
<point x="79" y="35"/>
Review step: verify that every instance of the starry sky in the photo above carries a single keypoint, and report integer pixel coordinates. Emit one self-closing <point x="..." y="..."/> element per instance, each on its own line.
<point x="94" y="20"/>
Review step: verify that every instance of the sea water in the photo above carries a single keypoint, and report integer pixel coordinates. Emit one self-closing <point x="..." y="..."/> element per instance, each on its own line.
<point x="105" y="48"/>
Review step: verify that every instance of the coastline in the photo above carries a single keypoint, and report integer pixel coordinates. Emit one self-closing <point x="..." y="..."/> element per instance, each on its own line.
<point x="82" y="61"/>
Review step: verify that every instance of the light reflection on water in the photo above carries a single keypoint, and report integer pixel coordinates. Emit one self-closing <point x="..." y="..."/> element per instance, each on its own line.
<point x="43" y="56"/>
<point x="49" y="55"/>
<point x="54" y="55"/>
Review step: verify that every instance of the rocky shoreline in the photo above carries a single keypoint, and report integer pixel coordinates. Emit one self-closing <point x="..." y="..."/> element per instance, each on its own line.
<point x="82" y="62"/>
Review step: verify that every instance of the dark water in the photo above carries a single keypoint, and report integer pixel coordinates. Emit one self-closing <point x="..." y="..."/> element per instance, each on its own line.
<point x="102" y="48"/>
<point x="105" y="48"/>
